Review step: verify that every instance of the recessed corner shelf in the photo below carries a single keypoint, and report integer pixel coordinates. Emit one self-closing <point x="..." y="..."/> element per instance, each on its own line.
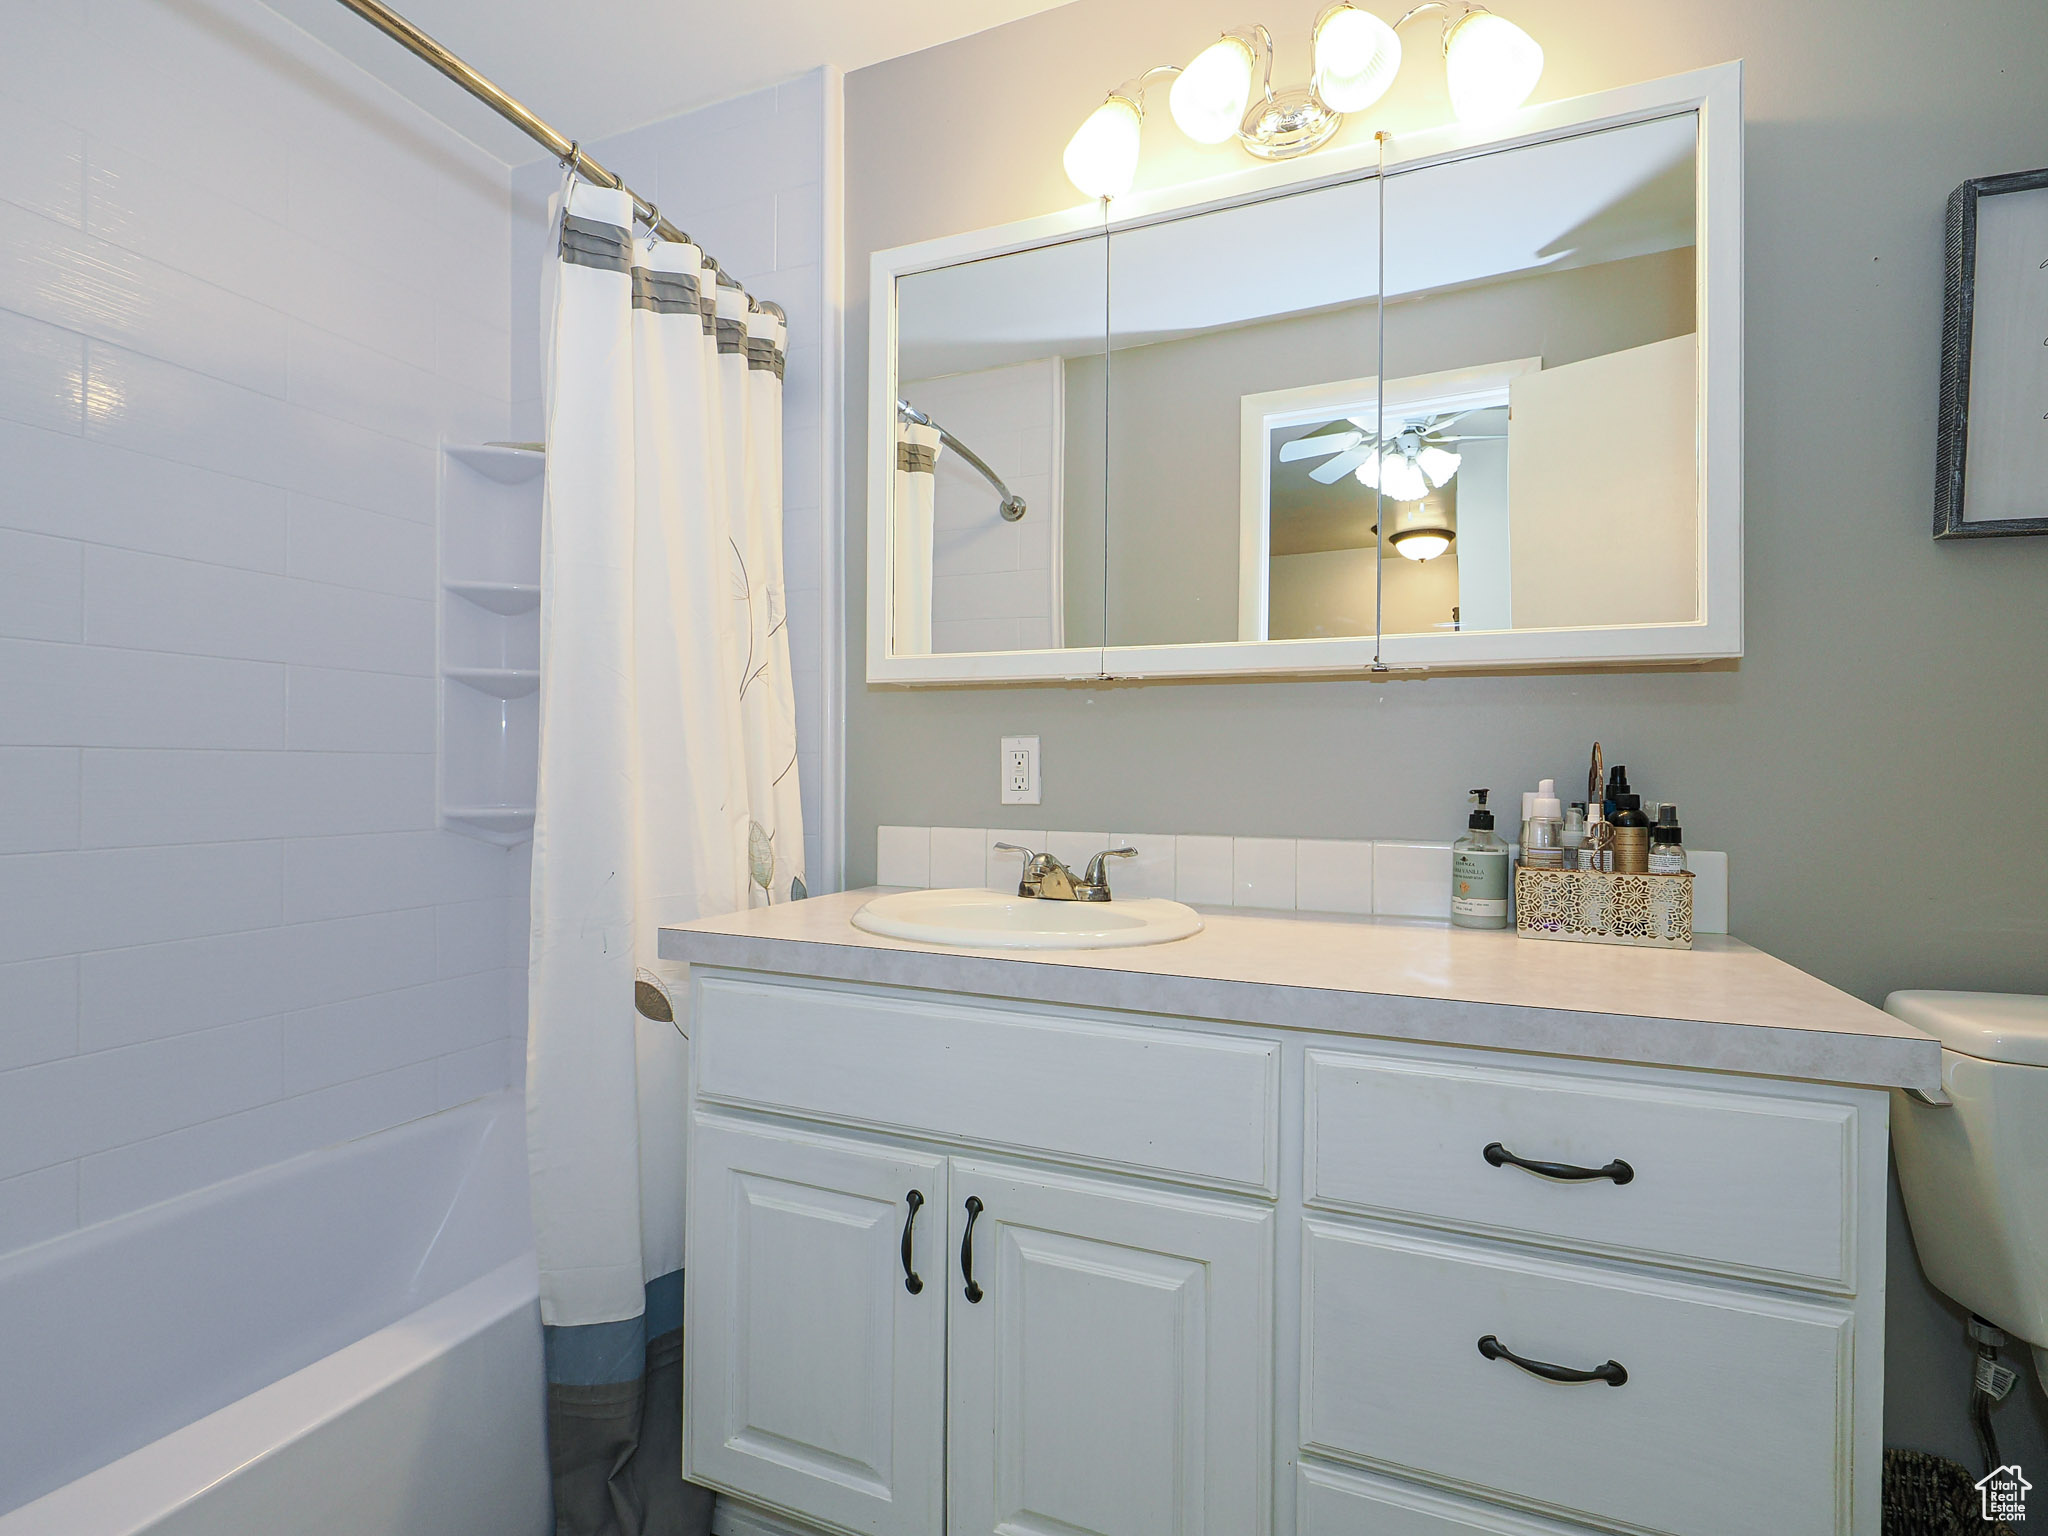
<point x="499" y="682"/>
<point x="506" y="463"/>
<point x="502" y="597"/>
<point x="500" y="823"/>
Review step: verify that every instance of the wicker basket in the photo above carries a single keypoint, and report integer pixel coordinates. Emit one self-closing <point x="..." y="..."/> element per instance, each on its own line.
<point x="1584" y="906"/>
<point x="1928" y="1495"/>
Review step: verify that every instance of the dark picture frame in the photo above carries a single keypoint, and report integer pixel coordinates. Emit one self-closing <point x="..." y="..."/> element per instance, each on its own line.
<point x="1960" y="315"/>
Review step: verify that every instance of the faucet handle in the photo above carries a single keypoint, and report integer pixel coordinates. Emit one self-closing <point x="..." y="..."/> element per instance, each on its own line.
<point x="1098" y="873"/>
<point x="1015" y="848"/>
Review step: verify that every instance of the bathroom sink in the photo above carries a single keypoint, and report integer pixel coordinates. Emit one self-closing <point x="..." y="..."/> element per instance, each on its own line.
<point x="994" y="920"/>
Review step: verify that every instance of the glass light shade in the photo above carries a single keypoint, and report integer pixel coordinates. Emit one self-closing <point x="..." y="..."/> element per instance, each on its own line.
<point x="1420" y="544"/>
<point x="1437" y="464"/>
<point x="1357" y="56"/>
<point x="1209" y="96"/>
<point x="1403" y="481"/>
<point x="1102" y="156"/>
<point x="1491" y="65"/>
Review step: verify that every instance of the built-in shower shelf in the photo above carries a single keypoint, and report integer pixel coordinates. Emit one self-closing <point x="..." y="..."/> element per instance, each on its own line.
<point x="500" y="823"/>
<point x="499" y="682"/>
<point x="487" y="614"/>
<point x="506" y="463"/>
<point x="503" y="597"/>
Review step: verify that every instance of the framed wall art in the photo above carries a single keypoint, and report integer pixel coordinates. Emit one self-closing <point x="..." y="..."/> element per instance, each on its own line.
<point x="1991" y="475"/>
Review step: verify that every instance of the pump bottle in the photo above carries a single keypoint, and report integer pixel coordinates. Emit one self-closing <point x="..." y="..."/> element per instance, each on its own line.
<point x="1479" y="872"/>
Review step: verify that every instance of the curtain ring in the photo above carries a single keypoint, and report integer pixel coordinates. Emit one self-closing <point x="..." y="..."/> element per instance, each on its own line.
<point x="573" y="161"/>
<point x="654" y="221"/>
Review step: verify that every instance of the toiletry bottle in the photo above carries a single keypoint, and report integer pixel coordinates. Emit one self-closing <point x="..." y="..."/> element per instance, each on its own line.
<point x="1596" y="852"/>
<point x="1479" y="872"/>
<point x="1545" y="846"/>
<point x="1617" y="786"/>
<point x="1667" y="852"/>
<point x="1631" y="836"/>
<point x="1528" y="810"/>
<point x="1574" y="833"/>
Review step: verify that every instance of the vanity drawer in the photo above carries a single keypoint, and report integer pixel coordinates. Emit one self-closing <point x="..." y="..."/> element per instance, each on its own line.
<point x="1158" y="1100"/>
<point x="1742" y="1182"/>
<point x="1731" y="1418"/>
<point x="1333" y="1501"/>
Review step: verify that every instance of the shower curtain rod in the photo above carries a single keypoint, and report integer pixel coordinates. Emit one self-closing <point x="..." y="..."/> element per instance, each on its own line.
<point x="1013" y="504"/>
<point x="566" y="150"/>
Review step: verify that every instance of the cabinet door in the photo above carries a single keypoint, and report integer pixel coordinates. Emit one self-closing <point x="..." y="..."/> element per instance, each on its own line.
<point x="1113" y="1378"/>
<point x="814" y="1377"/>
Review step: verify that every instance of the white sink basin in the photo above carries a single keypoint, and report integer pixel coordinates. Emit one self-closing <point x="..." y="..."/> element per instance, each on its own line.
<point x="993" y="920"/>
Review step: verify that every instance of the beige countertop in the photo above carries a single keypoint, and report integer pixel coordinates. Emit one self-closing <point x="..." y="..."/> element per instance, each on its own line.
<point x="1721" y="1006"/>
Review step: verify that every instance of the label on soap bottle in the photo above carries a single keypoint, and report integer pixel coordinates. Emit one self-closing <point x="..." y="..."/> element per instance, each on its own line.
<point x="1479" y="887"/>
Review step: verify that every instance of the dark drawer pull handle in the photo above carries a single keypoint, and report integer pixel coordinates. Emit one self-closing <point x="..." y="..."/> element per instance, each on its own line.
<point x="1500" y="1156"/>
<point x="973" y="1291"/>
<point x="1612" y="1372"/>
<point x="915" y="1200"/>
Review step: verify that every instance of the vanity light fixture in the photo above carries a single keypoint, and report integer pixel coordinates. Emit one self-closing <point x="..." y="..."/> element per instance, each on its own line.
<point x="1490" y="64"/>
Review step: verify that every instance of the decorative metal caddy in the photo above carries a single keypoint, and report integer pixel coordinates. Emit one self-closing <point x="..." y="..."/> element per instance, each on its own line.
<point x="1585" y="906"/>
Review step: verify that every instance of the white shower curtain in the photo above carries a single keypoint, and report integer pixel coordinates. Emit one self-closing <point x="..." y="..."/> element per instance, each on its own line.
<point x="668" y="791"/>
<point x="910" y="605"/>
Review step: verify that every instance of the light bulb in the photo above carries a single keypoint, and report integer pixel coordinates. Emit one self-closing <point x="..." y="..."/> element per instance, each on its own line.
<point x="1491" y="66"/>
<point x="1400" y="480"/>
<point x="1357" y="56"/>
<point x="1437" y="464"/>
<point x="1208" y="97"/>
<point x="1421" y="544"/>
<point x="1102" y="156"/>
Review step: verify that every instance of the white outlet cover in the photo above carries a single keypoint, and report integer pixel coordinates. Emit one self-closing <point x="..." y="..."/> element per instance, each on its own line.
<point x="1019" y="787"/>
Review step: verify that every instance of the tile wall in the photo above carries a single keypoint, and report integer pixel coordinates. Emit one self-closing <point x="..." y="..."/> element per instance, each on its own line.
<point x="1385" y="878"/>
<point x="244" y="291"/>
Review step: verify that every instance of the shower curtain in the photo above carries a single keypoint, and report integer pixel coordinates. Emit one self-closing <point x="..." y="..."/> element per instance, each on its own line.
<point x="910" y="607"/>
<point x="667" y="791"/>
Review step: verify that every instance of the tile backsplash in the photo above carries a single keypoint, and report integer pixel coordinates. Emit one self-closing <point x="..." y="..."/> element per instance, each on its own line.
<point x="1386" y="878"/>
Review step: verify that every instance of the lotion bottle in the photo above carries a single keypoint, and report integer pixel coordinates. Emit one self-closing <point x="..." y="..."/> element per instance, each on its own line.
<point x="1543" y="847"/>
<point x="1574" y="833"/>
<point x="1479" y="872"/>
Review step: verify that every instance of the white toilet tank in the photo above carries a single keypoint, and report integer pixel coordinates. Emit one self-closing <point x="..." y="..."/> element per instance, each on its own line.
<point x="1975" y="1172"/>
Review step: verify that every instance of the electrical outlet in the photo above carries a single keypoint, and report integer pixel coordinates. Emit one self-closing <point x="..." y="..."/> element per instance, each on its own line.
<point x="1020" y="770"/>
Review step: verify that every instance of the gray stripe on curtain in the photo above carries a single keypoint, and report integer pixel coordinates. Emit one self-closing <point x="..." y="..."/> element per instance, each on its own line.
<point x="666" y="293"/>
<point x="590" y="243"/>
<point x="614" y="1389"/>
<point x="732" y="335"/>
<point x="763" y="354"/>
<point x="916" y="458"/>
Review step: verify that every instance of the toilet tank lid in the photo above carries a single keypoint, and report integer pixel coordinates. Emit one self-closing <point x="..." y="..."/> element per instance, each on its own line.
<point x="1997" y="1026"/>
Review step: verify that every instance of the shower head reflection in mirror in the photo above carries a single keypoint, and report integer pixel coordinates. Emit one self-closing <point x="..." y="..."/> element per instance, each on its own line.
<point x="1561" y="452"/>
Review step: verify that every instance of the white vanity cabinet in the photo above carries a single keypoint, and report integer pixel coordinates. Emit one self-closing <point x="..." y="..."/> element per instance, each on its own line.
<point x="1175" y="1275"/>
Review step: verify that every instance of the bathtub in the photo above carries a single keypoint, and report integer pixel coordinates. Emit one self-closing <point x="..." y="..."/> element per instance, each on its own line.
<point x="348" y="1342"/>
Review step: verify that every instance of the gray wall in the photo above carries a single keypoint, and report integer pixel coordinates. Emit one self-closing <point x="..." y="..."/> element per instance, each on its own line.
<point x="1872" y="766"/>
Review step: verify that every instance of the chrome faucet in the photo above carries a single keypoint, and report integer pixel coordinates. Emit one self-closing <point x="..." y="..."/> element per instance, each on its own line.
<point x="1048" y="879"/>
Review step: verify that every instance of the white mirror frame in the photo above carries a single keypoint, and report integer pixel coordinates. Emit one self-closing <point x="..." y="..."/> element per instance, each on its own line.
<point x="1714" y="93"/>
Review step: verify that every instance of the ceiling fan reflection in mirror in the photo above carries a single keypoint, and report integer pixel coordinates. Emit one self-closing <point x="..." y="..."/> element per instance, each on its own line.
<point x="1413" y="462"/>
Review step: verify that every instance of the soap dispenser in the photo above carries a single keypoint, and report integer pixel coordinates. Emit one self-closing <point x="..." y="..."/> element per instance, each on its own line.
<point x="1479" y="872"/>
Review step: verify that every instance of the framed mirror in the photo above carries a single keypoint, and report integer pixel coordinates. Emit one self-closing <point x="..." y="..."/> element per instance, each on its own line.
<point x="1550" y="477"/>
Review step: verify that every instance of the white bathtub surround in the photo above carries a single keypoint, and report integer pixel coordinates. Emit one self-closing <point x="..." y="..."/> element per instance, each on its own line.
<point x="222" y="383"/>
<point x="372" y="1305"/>
<point x="668" y="790"/>
<point x="1383" y="878"/>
